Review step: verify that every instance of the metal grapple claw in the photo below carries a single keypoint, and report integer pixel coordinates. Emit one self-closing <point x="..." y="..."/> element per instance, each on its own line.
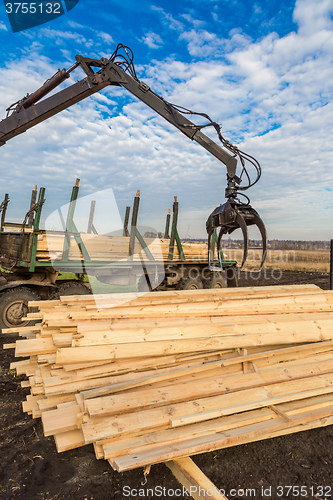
<point x="233" y="215"/>
<point x="240" y="221"/>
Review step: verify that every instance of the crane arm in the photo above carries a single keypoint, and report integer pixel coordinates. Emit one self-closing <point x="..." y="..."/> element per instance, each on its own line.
<point x="24" y="118"/>
<point x="29" y="112"/>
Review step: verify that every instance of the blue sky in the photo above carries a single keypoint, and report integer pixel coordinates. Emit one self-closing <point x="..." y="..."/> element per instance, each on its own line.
<point x="262" y="69"/>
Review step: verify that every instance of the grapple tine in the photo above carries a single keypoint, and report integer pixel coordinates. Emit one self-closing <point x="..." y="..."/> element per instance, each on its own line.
<point x="209" y="245"/>
<point x="242" y="224"/>
<point x="223" y="231"/>
<point x="261" y="226"/>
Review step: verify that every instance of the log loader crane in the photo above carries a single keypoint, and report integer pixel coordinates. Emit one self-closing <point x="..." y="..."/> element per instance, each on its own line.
<point x="119" y="71"/>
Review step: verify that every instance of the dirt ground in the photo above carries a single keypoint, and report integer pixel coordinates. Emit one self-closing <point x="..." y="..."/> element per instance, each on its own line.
<point x="289" y="467"/>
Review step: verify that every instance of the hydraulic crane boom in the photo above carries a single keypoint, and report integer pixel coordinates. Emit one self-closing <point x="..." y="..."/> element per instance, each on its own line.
<point x="28" y="113"/>
<point x="119" y="71"/>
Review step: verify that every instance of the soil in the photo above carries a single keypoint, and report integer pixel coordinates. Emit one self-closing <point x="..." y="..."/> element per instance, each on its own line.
<point x="31" y="468"/>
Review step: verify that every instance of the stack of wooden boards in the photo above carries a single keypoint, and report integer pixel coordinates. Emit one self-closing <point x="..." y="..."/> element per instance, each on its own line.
<point x="111" y="248"/>
<point x="171" y="374"/>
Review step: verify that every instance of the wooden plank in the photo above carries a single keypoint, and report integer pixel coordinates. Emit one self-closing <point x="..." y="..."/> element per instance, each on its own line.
<point x="146" y="322"/>
<point x="124" y="365"/>
<point x="125" y="446"/>
<point x="138" y="334"/>
<point x="194" y="480"/>
<point x="30" y="347"/>
<point x="180" y="437"/>
<point x="69" y="440"/>
<point x="60" y="420"/>
<point x="44" y="304"/>
<point x="310" y="303"/>
<point x="24" y="329"/>
<point x="280" y="413"/>
<point x="180" y="372"/>
<point x="310" y="392"/>
<point x="9" y="346"/>
<point x="80" y="366"/>
<point x="254" y="432"/>
<point x="181" y="297"/>
<point x="210" y="386"/>
<point x="136" y="376"/>
<point x="172" y="347"/>
<point x="57" y="385"/>
<point x="168" y="374"/>
<point x="22" y="367"/>
<point x="62" y="339"/>
<point x="50" y="403"/>
<point x="46" y="358"/>
<point x="204" y="409"/>
<point x="192" y="294"/>
<point x="145" y="369"/>
<point x="31" y="402"/>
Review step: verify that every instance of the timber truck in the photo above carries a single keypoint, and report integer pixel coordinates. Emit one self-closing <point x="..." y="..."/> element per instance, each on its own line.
<point x="30" y="279"/>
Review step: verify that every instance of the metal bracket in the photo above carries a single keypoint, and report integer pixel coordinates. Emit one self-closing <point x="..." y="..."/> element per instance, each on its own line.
<point x="143" y="87"/>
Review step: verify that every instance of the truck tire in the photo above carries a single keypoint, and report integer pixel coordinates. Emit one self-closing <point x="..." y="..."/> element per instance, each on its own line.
<point x="70" y="288"/>
<point x="14" y="306"/>
<point x="189" y="284"/>
<point x="217" y="281"/>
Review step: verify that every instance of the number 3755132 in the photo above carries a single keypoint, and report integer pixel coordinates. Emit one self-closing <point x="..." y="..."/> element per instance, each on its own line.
<point x="33" y="8"/>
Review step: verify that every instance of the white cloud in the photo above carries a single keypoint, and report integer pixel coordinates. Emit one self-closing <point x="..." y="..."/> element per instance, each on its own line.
<point x="168" y="20"/>
<point x="74" y="24"/>
<point x="153" y="40"/>
<point x="202" y="43"/>
<point x="105" y="37"/>
<point x="3" y="27"/>
<point x="69" y="42"/>
<point x="58" y="36"/>
<point x="197" y="23"/>
<point x="313" y="17"/>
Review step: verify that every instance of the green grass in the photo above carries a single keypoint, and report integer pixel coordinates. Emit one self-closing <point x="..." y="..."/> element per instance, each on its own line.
<point x="73" y="276"/>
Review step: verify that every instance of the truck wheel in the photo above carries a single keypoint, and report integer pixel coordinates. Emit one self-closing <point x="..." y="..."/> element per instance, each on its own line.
<point x="217" y="281"/>
<point x="70" y="288"/>
<point x="14" y="306"/>
<point x="189" y="284"/>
